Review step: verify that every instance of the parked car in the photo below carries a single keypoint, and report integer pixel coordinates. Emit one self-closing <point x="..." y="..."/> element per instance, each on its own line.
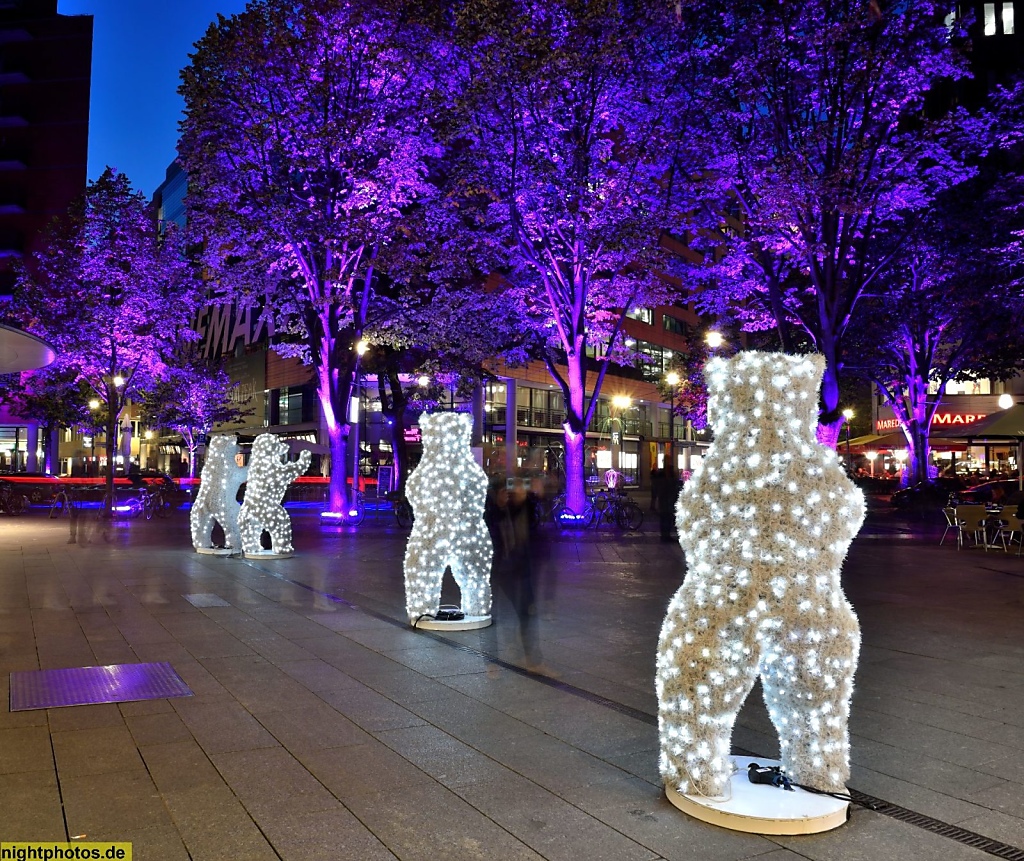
<point x="927" y="494"/>
<point x="1002" y="492"/>
<point x="37" y="486"/>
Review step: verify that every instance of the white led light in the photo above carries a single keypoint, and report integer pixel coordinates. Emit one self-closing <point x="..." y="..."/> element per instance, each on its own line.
<point x="270" y="473"/>
<point x="447" y="491"/>
<point x="216" y="500"/>
<point x="761" y="601"/>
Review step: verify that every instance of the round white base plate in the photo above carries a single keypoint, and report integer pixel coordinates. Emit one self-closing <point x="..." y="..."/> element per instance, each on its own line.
<point x="469" y="623"/>
<point x="761" y="809"/>
<point x="218" y="551"/>
<point x="268" y="554"/>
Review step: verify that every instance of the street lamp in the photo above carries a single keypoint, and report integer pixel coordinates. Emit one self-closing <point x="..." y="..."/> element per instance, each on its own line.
<point x="848" y="414"/>
<point x="94" y="405"/>
<point x="714" y="339"/>
<point x="362" y="345"/>
<point x="672" y="380"/>
<point x="620" y="403"/>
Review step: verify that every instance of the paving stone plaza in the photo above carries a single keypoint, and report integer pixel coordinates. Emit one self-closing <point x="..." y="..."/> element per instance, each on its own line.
<point x="322" y="726"/>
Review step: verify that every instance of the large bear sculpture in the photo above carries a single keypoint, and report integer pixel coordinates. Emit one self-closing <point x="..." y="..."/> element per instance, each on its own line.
<point x="216" y="501"/>
<point x="447" y="491"/>
<point x="270" y="473"/>
<point x="765" y="522"/>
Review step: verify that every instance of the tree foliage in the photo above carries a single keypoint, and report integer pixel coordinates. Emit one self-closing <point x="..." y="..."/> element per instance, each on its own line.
<point x="192" y="396"/>
<point x="558" y="170"/>
<point x="824" y="141"/>
<point x="306" y="145"/>
<point x="111" y="295"/>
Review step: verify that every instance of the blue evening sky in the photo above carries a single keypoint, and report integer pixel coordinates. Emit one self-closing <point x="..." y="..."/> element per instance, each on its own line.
<point x="139" y="46"/>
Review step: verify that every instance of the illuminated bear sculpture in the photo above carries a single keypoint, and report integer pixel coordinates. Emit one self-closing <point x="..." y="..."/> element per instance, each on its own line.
<point x="447" y="491"/>
<point x="765" y="521"/>
<point x="270" y="473"/>
<point x="216" y="500"/>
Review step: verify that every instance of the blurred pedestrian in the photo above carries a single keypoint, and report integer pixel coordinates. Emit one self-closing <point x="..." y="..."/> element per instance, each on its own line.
<point x="667" y="504"/>
<point x="507" y="515"/>
<point x="657" y="477"/>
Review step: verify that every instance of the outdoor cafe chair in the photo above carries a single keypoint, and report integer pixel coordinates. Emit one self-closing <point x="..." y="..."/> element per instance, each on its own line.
<point x="972" y="520"/>
<point x="951" y="523"/>
<point x="1011" y="528"/>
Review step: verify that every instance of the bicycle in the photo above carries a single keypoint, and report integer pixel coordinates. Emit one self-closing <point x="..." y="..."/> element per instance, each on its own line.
<point x="402" y="508"/>
<point x="619" y="509"/>
<point x="154" y="503"/>
<point x="64" y="501"/>
<point x="11" y="501"/>
<point x="565" y="516"/>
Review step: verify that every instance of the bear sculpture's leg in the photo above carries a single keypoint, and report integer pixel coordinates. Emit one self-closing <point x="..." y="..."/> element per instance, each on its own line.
<point x="471" y="571"/>
<point x="281" y="534"/>
<point x="808" y="681"/>
<point x="232" y="535"/>
<point x="425" y="564"/>
<point x="707" y="665"/>
<point x="251" y="530"/>
<point x="201" y="523"/>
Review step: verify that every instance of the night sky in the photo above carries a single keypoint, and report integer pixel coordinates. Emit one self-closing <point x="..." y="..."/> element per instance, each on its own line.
<point x="139" y="46"/>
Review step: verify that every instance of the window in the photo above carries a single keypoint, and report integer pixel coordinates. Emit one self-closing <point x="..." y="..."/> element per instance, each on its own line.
<point x="990" y="19"/>
<point x="676" y="326"/>
<point x="644" y="315"/>
<point x="1007" y="19"/>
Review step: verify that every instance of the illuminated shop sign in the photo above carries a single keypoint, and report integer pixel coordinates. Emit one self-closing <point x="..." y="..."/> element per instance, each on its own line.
<point x="412" y="434"/>
<point x="938" y="419"/>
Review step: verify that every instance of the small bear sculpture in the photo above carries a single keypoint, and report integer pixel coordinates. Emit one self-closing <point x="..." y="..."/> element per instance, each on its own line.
<point x="447" y="491"/>
<point x="270" y="473"/>
<point x="216" y="500"/>
<point x="765" y="522"/>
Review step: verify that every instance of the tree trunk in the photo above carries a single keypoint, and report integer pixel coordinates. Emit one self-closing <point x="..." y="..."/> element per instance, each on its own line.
<point x="112" y="425"/>
<point x="575" y="435"/>
<point x="828" y="427"/>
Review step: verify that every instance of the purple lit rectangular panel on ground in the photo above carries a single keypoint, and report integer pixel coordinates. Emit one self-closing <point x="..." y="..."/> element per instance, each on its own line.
<point x="80" y="686"/>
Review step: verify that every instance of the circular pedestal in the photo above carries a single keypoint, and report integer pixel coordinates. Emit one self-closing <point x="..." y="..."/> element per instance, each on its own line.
<point x="268" y="554"/>
<point x="218" y="551"/>
<point x="761" y="809"/>
<point x="469" y="623"/>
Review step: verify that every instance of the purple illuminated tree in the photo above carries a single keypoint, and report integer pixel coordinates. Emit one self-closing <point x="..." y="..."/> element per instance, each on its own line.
<point x="560" y="150"/>
<point x="192" y="396"/>
<point x="54" y="398"/>
<point x="112" y="295"/>
<point x="825" y="139"/>
<point x="306" y="145"/>
<point x="952" y="308"/>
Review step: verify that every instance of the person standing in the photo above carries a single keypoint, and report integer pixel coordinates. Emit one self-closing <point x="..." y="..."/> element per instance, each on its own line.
<point x="667" y="504"/>
<point x="507" y="516"/>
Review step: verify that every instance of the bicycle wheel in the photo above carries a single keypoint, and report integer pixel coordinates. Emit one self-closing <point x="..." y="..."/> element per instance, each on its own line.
<point x="629" y="516"/>
<point x="149" y="507"/>
<point x="17" y="504"/>
<point x="59" y="506"/>
<point x="356" y="512"/>
<point x="403" y="513"/>
<point x="569" y="519"/>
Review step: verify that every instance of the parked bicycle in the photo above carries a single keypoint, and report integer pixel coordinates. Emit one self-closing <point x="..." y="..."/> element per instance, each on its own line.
<point x="66" y="501"/>
<point x="154" y="503"/>
<point x="12" y="501"/>
<point x="618" y="509"/>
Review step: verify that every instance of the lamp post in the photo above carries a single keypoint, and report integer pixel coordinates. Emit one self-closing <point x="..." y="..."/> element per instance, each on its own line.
<point x="620" y="403"/>
<point x="871" y="455"/>
<point x="848" y="414"/>
<point x="354" y="404"/>
<point x="672" y="379"/>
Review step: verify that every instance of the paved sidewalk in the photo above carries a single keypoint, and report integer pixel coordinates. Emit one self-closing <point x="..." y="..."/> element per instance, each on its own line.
<point x="322" y="727"/>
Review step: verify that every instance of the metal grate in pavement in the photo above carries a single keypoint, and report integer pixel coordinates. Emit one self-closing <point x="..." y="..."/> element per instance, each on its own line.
<point x="78" y="686"/>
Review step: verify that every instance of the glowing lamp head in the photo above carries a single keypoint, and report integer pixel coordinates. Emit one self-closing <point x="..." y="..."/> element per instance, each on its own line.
<point x="847" y="414"/>
<point x="423" y="381"/>
<point x="362" y="346"/>
<point x="1005" y="401"/>
<point x="621" y="402"/>
<point x="672" y="378"/>
<point x="118" y="381"/>
<point x="714" y="340"/>
<point x="94" y="404"/>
